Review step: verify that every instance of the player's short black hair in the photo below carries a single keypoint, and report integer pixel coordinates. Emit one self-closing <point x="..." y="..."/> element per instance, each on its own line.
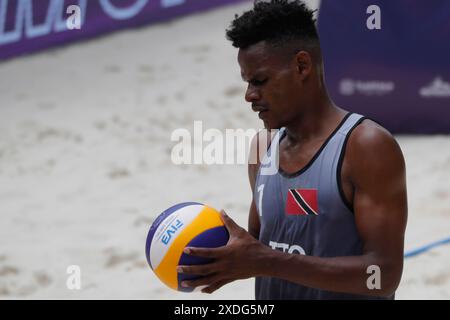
<point x="276" y="21"/>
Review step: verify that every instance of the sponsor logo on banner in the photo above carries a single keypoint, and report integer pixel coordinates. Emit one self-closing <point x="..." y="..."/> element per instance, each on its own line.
<point x="436" y="89"/>
<point x="348" y="87"/>
<point x="26" y="11"/>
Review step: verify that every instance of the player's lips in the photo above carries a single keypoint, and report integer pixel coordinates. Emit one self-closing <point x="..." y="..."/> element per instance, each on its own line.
<point x="259" y="108"/>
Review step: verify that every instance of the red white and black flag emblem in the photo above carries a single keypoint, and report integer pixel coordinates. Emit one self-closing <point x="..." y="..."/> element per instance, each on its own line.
<point x="302" y="202"/>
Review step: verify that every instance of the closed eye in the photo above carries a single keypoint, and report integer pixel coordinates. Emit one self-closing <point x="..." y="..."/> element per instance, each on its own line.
<point x="258" y="82"/>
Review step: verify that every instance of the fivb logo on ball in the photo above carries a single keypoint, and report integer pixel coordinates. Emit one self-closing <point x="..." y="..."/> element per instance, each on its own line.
<point x="170" y="231"/>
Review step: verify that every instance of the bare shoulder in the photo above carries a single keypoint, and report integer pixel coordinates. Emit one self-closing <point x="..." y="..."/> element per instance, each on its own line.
<point x="370" y="137"/>
<point x="372" y="148"/>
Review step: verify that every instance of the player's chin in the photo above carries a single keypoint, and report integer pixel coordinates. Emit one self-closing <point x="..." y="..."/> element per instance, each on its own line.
<point x="271" y="124"/>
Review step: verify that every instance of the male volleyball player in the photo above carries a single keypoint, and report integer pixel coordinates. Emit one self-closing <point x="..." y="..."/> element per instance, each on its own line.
<point x="335" y="212"/>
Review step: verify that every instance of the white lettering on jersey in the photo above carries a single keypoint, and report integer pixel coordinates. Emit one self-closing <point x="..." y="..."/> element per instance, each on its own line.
<point x="287" y="248"/>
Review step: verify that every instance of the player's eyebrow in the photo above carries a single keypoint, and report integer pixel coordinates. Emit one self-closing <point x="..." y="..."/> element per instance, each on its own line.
<point x="252" y="78"/>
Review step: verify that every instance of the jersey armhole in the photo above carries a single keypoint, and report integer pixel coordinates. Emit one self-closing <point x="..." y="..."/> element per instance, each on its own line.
<point x="340" y="163"/>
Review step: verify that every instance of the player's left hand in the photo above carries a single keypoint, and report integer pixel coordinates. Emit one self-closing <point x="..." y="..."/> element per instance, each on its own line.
<point x="241" y="258"/>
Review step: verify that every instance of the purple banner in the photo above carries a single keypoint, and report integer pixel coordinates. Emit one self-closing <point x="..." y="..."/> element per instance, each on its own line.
<point x="30" y="25"/>
<point x="389" y="61"/>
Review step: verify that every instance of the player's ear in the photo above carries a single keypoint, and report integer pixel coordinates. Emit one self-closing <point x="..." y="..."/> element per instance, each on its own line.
<point x="303" y="63"/>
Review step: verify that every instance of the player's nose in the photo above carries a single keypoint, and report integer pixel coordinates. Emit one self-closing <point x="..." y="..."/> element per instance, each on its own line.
<point x="252" y="94"/>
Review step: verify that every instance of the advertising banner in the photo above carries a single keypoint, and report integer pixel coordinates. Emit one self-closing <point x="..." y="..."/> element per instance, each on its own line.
<point x="389" y="60"/>
<point x="30" y="25"/>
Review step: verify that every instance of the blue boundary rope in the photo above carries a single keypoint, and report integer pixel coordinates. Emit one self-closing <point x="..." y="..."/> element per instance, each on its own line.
<point x="417" y="251"/>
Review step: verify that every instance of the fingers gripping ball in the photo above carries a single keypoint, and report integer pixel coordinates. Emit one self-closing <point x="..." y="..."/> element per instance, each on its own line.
<point x="188" y="224"/>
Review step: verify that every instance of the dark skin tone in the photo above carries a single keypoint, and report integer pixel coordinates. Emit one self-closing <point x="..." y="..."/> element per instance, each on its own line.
<point x="289" y="88"/>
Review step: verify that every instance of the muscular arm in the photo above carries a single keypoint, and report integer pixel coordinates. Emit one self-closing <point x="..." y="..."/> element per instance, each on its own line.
<point x="377" y="172"/>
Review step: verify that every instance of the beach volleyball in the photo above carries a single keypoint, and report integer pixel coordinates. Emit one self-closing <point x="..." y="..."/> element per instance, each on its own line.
<point x="188" y="224"/>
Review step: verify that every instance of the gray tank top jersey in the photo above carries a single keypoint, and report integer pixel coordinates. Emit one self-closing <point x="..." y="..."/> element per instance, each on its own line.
<point x="306" y="213"/>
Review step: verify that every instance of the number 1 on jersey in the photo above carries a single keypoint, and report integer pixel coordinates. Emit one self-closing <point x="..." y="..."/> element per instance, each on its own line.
<point x="260" y="191"/>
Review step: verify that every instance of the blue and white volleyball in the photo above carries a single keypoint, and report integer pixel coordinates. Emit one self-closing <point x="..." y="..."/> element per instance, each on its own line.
<point x="188" y="224"/>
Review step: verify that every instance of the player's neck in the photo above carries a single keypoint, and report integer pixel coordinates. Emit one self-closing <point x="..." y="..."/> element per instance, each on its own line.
<point x="316" y="123"/>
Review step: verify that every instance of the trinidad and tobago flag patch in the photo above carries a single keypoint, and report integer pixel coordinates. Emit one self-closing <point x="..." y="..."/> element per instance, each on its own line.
<point x="302" y="202"/>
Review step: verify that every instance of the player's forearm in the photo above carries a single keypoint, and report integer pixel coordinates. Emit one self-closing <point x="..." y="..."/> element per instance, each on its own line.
<point x="340" y="274"/>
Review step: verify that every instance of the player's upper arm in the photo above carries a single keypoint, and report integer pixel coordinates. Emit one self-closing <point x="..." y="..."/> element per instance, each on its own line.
<point x="258" y="148"/>
<point x="377" y="171"/>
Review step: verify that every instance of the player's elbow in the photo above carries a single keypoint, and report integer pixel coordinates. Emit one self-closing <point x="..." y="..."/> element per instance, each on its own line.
<point x="392" y="283"/>
<point x="389" y="288"/>
<point x="390" y="273"/>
